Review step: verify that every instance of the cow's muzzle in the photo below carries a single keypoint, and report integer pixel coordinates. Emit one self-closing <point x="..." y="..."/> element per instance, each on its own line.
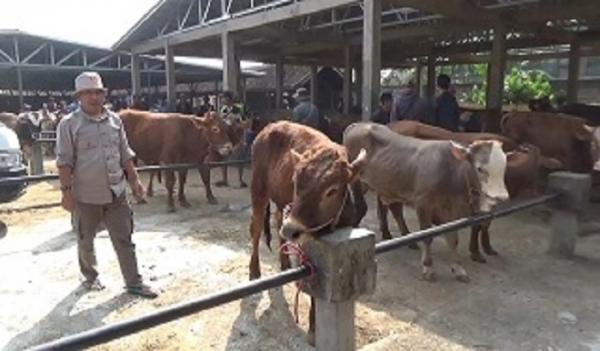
<point x="291" y="229"/>
<point x="225" y="150"/>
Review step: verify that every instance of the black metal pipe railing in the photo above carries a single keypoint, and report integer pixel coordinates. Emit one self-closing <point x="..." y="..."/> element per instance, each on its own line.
<point x="445" y="228"/>
<point x="172" y="167"/>
<point x="114" y="331"/>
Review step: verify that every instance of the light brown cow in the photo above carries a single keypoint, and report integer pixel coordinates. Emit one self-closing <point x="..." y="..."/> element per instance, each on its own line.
<point x="565" y="138"/>
<point x="300" y="169"/>
<point x="441" y="179"/>
<point x="169" y="138"/>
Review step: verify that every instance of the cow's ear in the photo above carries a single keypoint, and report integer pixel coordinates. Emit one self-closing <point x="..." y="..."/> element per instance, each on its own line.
<point x="357" y="165"/>
<point x="459" y="152"/>
<point x="551" y="163"/>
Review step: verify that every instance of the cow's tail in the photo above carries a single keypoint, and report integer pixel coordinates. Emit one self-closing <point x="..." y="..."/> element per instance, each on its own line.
<point x="267" y="227"/>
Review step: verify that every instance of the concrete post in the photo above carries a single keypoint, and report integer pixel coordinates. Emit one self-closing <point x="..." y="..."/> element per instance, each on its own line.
<point x="170" y="72"/>
<point x="347" y="93"/>
<point x="346" y="269"/>
<point x="136" y="78"/>
<point x="230" y="63"/>
<point x="279" y="74"/>
<point x="314" y="84"/>
<point x="371" y="57"/>
<point x="574" y="69"/>
<point x="37" y="159"/>
<point x="574" y="190"/>
<point x="431" y="77"/>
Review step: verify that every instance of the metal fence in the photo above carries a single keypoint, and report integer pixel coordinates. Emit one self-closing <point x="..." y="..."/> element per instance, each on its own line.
<point x="117" y="330"/>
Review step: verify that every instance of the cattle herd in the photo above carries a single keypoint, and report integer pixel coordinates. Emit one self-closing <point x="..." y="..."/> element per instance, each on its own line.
<point x="317" y="181"/>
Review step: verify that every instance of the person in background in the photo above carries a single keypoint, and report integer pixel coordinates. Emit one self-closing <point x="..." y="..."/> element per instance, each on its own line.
<point x="95" y="164"/>
<point x="305" y="112"/>
<point x="382" y="116"/>
<point x="446" y="107"/>
<point x="408" y="105"/>
<point x="231" y="111"/>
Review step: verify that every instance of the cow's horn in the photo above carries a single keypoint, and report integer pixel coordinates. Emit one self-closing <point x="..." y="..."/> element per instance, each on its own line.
<point x="588" y="128"/>
<point x="360" y="159"/>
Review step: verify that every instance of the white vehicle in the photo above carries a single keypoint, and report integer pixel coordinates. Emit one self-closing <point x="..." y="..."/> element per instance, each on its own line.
<point x="11" y="164"/>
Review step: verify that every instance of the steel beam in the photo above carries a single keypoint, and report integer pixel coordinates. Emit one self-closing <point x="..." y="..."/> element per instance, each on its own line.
<point x="170" y="76"/>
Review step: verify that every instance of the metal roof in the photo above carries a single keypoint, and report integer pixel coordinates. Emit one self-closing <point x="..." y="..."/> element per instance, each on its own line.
<point x="52" y="64"/>
<point x="314" y="31"/>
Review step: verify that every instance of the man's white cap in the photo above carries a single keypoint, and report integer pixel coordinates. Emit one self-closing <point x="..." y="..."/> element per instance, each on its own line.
<point x="88" y="81"/>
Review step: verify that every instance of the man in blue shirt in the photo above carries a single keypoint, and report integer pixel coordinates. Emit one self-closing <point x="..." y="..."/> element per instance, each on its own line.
<point x="446" y="108"/>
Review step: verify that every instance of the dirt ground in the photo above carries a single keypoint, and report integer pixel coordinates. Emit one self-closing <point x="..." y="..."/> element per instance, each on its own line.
<point x="520" y="300"/>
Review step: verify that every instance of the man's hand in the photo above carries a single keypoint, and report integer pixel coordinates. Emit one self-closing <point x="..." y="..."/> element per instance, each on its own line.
<point x="67" y="201"/>
<point x="137" y="188"/>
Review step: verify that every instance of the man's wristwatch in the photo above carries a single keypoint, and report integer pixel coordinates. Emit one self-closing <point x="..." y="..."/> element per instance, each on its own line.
<point x="65" y="187"/>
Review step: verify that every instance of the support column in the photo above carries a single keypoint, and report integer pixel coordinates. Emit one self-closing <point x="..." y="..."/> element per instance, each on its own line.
<point x="371" y="57"/>
<point x="136" y="78"/>
<point x="314" y="84"/>
<point x="359" y="83"/>
<point x="230" y="64"/>
<point x="431" y="76"/>
<point x="170" y="72"/>
<point x="496" y="69"/>
<point x="574" y="190"/>
<point x="279" y="74"/>
<point x="347" y="270"/>
<point x="19" y="73"/>
<point x="574" y="69"/>
<point x="347" y="94"/>
<point x="418" y="81"/>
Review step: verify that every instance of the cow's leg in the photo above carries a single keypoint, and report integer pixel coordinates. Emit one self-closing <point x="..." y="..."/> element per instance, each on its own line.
<point x="284" y="259"/>
<point x="259" y="206"/>
<point x="398" y="212"/>
<point x="425" y="246"/>
<point x="382" y="211"/>
<point x="150" y="190"/>
<point x="205" y="174"/>
<point x="485" y="241"/>
<point x="241" y="175"/>
<point x="170" y="184"/>
<point x="310" y="338"/>
<point x="360" y="204"/>
<point x="474" y="244"/>
<point x="459" y="271"/>
<point x="181" y="195"/>
<point x="224" y="181"/>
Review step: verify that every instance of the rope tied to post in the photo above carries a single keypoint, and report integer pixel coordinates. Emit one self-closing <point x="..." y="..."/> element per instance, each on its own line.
<point x="292" y="248"/>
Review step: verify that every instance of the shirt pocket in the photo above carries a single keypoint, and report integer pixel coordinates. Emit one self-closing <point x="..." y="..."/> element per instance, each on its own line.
<point x="87" y="139"/>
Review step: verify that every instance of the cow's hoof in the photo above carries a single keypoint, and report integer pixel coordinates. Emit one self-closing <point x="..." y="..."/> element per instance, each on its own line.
<point x="254" y="275"/>
<point x="221" y="184"/>
<point x="185" y="204"/>
<point x="490" y="252"/>
<point x="243" y="185"/>
<point x="310" y="338"/>
<point x="428" y="275"/>
<point x="478" y="258"/>
<point x="386" y="235"/>
<point x="212" y="201"/>
<point x="171" y="209"/>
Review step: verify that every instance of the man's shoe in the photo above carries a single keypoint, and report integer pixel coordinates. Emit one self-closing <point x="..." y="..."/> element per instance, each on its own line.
<point x="143" y="291"/>
<point x="93" y="285"/>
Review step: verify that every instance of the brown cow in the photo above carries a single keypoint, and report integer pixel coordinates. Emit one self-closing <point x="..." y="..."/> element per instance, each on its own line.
<point x="441" y="179"/>
<point x="301" y="170"/>
<point x="565" y="138"/>
<point x="169" y="138"/>
<point x="9" y="119"/>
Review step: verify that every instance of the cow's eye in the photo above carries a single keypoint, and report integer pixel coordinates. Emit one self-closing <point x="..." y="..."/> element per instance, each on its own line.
<point x="215" y="130"/>
<point x="331" y="192"/>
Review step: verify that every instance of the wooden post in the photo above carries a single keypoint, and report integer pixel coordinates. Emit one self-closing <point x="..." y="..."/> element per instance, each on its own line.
<point x="574" y="191"/>
<point x="431" y="76"/>
<point x="371" y="57"/>
<point x="347" y="94"/>
<point x="279" y="74"/>
<point x="574" y="69"/>
<point x="136" y="78"/>
<point x="496" y="69"/>
<point x="230" y="63"/>
<point x="170" y="72"/>
<point x="347" y="270"/>
<point x="314" y="83"/>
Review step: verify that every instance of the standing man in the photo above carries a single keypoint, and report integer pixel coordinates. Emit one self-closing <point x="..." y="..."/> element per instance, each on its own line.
<point x="382" y="116"/>
<point x="95" y="164"/>
<point x="306" y="112"/>
<point x="446" y="108"/>
<point x="407" y="105"/>
<point x="231" y="112"/>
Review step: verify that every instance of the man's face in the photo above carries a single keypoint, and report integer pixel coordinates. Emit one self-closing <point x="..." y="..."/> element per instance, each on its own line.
<point x="92" y="100"/>
<point x="386" y="105"/>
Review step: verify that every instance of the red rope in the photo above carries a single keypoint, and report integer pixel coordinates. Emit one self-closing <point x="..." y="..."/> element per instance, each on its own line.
<point x="291" y="248"/>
